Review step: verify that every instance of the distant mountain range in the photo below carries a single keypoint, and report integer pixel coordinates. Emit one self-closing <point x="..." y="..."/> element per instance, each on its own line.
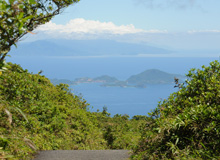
<point x="141" y="80"/>
<point x="83" y="48"/>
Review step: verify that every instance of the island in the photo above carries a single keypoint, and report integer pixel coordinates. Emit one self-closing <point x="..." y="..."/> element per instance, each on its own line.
<point x="154" y="76"/>
<point x="105" y="79"/>
<point x="141" y="80"/>
<point x="56" y="81"/>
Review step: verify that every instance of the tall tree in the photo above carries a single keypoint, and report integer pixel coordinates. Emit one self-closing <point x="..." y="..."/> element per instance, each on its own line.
<point x="18" y="17"/>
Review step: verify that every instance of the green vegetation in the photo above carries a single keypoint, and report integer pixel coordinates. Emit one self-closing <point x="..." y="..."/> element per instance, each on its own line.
<point x="36" y="115"/>
<point x="187" y="124"/>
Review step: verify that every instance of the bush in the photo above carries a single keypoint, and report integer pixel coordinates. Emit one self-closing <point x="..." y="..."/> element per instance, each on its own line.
<point x="187" y="124"/>
<point x="36" y="115"/>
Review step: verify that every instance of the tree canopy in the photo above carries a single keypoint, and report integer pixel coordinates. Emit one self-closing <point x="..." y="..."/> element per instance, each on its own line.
<point x="18" y="17"/>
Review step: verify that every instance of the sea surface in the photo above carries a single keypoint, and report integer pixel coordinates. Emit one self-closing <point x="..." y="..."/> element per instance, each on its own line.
<point x="131" y="101"/>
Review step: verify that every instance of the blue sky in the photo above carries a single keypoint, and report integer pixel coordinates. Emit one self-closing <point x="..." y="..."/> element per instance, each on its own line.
<point x="149" y="14"/>
<point x="173" y="24"/>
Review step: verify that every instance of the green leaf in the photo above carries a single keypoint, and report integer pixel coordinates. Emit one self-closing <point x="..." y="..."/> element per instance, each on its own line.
<point x="32" y="1"/>
<point x="26" y="18"/>
<point x="21" y="15"/>
<point x="11" y="1"/>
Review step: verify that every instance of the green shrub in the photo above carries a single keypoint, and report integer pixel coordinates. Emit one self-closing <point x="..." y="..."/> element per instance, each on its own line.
<point x="118" y="131"/>
<point x="49" y="116"/>
<point x="36" y="115"/>
<point x="187" y="124"/>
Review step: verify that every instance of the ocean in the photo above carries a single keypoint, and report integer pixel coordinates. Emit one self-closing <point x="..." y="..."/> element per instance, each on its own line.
<point x="130" y="101"/>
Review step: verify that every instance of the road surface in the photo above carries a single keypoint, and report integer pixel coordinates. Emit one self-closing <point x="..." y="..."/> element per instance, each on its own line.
<point x="83" y="155"/>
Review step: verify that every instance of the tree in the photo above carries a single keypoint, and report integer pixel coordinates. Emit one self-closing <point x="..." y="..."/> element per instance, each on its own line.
<point x="18" y="17"/>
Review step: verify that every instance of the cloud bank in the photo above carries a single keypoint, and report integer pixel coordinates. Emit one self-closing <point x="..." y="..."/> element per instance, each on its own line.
<point x="82" y="26"/>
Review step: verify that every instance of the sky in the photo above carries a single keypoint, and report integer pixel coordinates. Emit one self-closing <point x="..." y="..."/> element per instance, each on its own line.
<point x="183" y="25"/>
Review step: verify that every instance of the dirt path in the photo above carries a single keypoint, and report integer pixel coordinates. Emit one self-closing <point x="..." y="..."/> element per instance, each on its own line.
<point x="83" y="155"/>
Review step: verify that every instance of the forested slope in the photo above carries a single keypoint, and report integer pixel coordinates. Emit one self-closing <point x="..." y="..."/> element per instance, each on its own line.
<point x="187" y="124"/>
<point x="36" y="115"/>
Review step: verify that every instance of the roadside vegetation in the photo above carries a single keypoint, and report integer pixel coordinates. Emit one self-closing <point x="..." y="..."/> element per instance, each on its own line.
<point x="187" y="124"/>
<point x="36" y="115"/>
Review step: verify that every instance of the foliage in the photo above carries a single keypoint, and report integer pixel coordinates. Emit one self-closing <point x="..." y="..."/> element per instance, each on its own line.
<point x="3" y="66"/>
<point x="36" y="115"/>
<point x="119" y="131"/>
<point x="32" y="108"/>
<point x="141" y="117"/>
<point x="18" y="17"/>
<point x="187" y="124"/>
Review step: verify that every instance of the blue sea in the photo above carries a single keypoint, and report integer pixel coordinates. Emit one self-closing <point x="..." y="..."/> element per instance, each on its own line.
<point x="131" y="101"/>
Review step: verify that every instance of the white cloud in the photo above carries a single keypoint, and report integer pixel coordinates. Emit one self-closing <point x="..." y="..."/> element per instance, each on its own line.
<point x="204" y="31"/>
<point x="82" y="26"/>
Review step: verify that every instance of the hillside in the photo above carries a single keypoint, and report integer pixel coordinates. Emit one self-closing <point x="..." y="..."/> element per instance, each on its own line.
<point x="153" y="76"/>
<point x="186" y="125"/>
<point x="36" y="115"/>
<point x="83" y="48"/>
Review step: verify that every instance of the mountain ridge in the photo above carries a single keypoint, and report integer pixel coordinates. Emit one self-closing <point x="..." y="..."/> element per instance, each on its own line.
<point x="84" y="48"/>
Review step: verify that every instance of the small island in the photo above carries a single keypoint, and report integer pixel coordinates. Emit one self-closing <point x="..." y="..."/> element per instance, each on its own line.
<point x="141" y="80"/>
<point x="154" y="76"/>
